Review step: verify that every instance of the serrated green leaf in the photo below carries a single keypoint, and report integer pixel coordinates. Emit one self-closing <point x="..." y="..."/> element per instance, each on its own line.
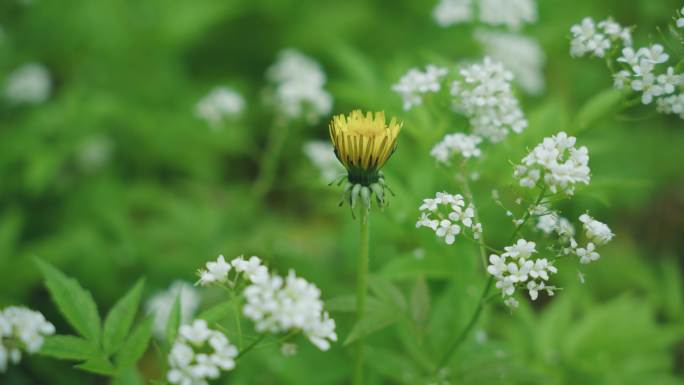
<point x="217" y="312"/>
<point x="98" y="366"/>
<point x="600" y="105"/>
<point x="377" y="318"/>
<point x="66" y="347"/>
<point x="74" y="302"/>
<point x="387" y="292"/>
<point x="135" y="345"/>
<point x="174" y="321"/>
<point x="120" y="318"/>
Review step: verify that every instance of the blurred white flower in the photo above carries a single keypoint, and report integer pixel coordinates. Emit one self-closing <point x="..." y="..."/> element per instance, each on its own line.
<point x="512" y="13"/>
<point x="560" y="163"/>
<point x="298" y="82"/>
<point x="449" y="12"/>
<point x="596" y="231"/>
<point x="522" y="55"/>
<point x="322" y="155"/>
<point x="588" y="38"/>
<point x="278" y="305"/>
<point x="220" y="104"/>
<point x="459" y="144"/>
<point x="680" y="21"/>
<point x="288" y="349"/>
<point x="587" y="254"/>
<point x="216" y="271"/>
<point x="29" y="84"/>
<point x="199" y="354"/>
<point x="554" y="223"/>
<point x="415" y="83"/>
<point x="484" y="95"/>
<point x="21" y="329"/>
<point x="161" y="303"/>
<point x="672" y="105"/>
<point x="95" y="153"/>
<point x="447" y="215"/>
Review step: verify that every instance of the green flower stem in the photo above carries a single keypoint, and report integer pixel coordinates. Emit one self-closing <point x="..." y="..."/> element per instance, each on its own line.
<point x="269" y="162"/>
<point x="469" y="194"/>
<point x="484" y="297"/>
<point x="236" y="308"/>
<point x="361" y="289"/>
<point x="250" y="346"/>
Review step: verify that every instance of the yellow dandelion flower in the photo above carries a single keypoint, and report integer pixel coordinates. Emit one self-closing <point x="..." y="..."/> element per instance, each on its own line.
<point x="363" y="143"/>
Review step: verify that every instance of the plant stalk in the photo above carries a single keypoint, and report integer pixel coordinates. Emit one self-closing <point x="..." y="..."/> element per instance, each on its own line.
<point x="361" y="289"/>
<point x="269" y="162"/>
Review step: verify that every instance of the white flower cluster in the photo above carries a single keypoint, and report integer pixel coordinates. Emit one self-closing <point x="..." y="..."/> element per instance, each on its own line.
<point x="199" y="354"/>
<point x="639" y="73"/>
<point x="552" y="222"/>
<point x="217" y="271"/>
<point x="160" y="305"/>
<point x="521" y="54"/>
<point x="274" y="303"/>
<point x="596" y="234"/>
<point x="322" y="155"/>
<point x="511" y="13"/>
<point x="21" y="329"/>
<point x="485" y="97"/>
<point x="458" y="143"/>
<point x="446" y="214"/>
<point x="29" y="84"/>
<point x="449" y="12"/>
<point x="673" y="104"/>
<point x="416" y="82"/>
<point x="515" y="267"/>
<point x="299" y="82"/>
<point x="558" y="162"/>
<point x="278" y="304"/>
<point x="588" y="38"/>
<point x="220" y="104"/>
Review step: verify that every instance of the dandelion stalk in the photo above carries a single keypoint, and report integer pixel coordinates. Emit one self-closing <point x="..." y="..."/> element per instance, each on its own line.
<point x="484" y="297"/>
<point x="361" y="290"/>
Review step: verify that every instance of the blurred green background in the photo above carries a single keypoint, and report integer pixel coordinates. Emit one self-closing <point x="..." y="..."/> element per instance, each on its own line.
<point x="114" y="178"/>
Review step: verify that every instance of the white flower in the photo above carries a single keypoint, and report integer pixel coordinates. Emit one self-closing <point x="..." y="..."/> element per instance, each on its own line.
<point x="506" y="285"/>
<point x="586" y="39"/>
<point x="522" y="55"/>
<point x="447" y="215"/>
<point x="416" y="83"/>
<point x="29" y="84"/>
<point x="587" y="254"/>
<point x="630" y="57"/>
<point x="596" y="231"/>
<point x="21" y="329"/>
<point x="322" y="155"/>
<point x="278" y="305"/>
<point x="669" y="80"/>
<point x="462" y="144"/>
<point x="221" y="103"/>
<point x="680" y="21"/>
<point x="511" y="302"/>
<point x="299" y="82"/>
<point x="484" y="95"/>
<point x="497" y="266"/>
<point x="541" y="269"/>
<point x="648" y="87"/>
<point x="449" y="12"/>
<point x="160" y="305"/>
<point x="621" y="79"/>
<point x="512" y="13"/>
<point x="655" y="54"/>
<point x="199" y="354"/>
<point x="552" y="222"/>
<point x="217" y="271"/>
<point x="561" y="164"/>
<point x="252" y="268"/>
<point x="672" y="105"/>
<point x="521" y="249"/>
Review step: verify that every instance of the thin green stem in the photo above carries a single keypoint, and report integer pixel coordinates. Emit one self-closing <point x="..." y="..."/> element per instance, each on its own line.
<point x="250" y="346"/>
<point x="269" y="162"/>
<point x="361" y="289"/>
<point x="238" y="326"/>
<point x="484" y="297"/>
<point x="476" y="215"/>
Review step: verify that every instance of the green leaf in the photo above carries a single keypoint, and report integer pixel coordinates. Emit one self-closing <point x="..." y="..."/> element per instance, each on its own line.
<point x="98" y="365"/>
<point x="174" y="321"/>
<point x="75" y="303"/>
<point x="387" y="292"/>
<point x="216" y="313"/>
<point x="135" y="345"/>
<point x="420" y="303"/>
<point x="600" y="105"/>
<point x="120" y="318"/>
<point x="393" y="365"/>
<point x="69" y="348"/>
<point x="377" y="318"/>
